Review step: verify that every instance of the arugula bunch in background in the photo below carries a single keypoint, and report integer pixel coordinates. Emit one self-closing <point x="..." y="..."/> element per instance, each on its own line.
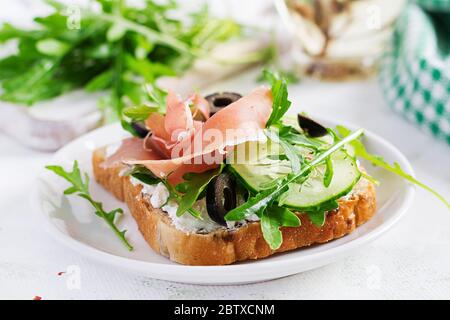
<point x="117" y="49"/>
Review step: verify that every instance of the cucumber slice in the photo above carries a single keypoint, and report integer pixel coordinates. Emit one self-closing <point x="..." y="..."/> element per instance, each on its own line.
<point x="260" y="171"/>
<point x="312" y="192"/>
<point x="261" y="165"/>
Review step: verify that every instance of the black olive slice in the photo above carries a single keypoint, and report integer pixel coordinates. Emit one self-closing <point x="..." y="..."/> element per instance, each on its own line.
<point x="220" y="100"/>
<point x="221" y="197"/>
<point x="139" y="128"/>
<point x="311" y="127"/>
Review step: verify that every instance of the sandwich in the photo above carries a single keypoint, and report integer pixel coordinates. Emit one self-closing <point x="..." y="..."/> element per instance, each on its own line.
<point x="225" y="178"/>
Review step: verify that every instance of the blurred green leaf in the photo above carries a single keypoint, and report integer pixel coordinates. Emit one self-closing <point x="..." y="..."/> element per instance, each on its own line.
<point x="101" y="81"/>
<point x="116" y="32"/>
<point x="52" y="47"/>
<point x="139" y="113"/>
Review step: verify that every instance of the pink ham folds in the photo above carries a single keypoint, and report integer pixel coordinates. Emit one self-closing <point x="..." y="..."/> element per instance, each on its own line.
<point x="131" y="148"/>
<point x="179" y="144"/>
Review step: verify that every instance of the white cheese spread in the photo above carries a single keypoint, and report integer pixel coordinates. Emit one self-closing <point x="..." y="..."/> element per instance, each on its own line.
<point x="158" y="195"/>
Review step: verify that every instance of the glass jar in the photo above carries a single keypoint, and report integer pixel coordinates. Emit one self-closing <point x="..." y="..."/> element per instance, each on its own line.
<point x="339" y="39"/>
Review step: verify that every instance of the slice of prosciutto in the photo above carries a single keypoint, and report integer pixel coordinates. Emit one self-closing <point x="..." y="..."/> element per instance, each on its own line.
<point x="200" y="107"/>
<point x="130" y="150"/>
<point x="178" y="120"/>
<point x="202" y="146"/>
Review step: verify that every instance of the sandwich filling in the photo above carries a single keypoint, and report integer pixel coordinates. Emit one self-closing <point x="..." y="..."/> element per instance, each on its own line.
<point x="236" y="162"/>
<point x="158" y="197"/>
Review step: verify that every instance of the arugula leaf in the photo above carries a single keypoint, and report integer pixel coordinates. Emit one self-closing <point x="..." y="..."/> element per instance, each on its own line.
<point x="325" y="207"/>
<point x="289" y="76"/>
<point x="173" y="194"/>
<point x="296" y="138"/>
<point x="80" y="186"/>
<point x="9" y="32"/>
<point x="100" y="82"/>
<point x="128" y="127"/>
<point x="289" y="150"/>
<point x="214" y="31"/>
<point x="156" y="102"/>
<point x="258" y="203"/>
<point x="272" y="219"/>
<point x="12" y="65"/>
<point x="139" y="113"/>
<point x="370" y="178"/>
<point x="193" y="186"/>
<point x="146" y="176"/>
<point x="147" y="69"/>
<point x="317" y="217"/>
<point x="115" y="32"/>
<point x="360" y="151"/>
<point x="143" y="174"/>
<point x="292" y="155"/>
<point x="157" y="96"/>
<point x="281" y="103"/>
<point x="52" y="47"/>
<point x="38" y="77"/>
<point x="328" y="176"/>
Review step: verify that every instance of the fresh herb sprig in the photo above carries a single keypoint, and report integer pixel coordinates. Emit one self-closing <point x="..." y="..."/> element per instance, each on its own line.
<point x="80" y="186"/>
<point x="279" y="90"/>
<point x="360" y="151"/>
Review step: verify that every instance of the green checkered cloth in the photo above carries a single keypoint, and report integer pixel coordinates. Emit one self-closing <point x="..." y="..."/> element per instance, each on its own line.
<point x="434" y="5"/>
<point x="415" y="71"/>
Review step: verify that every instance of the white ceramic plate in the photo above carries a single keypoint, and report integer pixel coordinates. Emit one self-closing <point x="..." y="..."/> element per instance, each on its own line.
<point x="72" y="221"/>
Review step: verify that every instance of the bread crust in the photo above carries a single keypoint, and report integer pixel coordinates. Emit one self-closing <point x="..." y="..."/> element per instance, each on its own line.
<point x="224" y="246"/>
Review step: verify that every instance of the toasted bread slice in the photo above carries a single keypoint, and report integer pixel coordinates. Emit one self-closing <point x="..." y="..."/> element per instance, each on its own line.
<point x="226" y="246"/>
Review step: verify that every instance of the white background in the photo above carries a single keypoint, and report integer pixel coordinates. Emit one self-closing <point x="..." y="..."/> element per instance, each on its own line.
<point x="410" y="261"/>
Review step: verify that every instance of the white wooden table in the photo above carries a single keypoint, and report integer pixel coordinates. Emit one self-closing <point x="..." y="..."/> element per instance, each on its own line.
<point x="410" y="261"/>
